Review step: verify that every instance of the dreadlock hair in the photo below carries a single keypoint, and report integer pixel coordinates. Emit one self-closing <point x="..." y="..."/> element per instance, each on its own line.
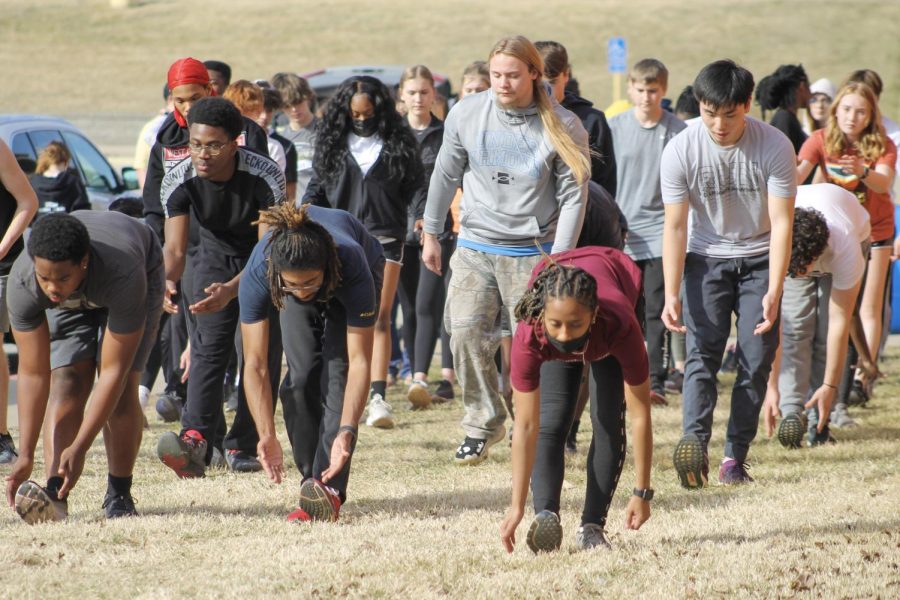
<point x="299" y="243"/>
<point x="556" y="281"/>
<point x="809" y="241"/>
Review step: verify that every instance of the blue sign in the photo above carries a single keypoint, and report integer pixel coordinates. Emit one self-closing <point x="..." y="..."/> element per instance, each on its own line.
<point x="617" y="55"/>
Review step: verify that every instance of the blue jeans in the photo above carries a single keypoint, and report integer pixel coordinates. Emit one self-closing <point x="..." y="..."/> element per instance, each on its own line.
<point x="714" y="288"/>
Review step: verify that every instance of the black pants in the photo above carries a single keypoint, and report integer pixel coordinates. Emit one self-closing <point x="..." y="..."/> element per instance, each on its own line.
<point x="312" y="393"/>
<point x="407" y="287"/>
<point x="166" y="354"/>
<point x="559" y="395"/>
<point x="655" y="332"/>
<point x="212" y="341"/>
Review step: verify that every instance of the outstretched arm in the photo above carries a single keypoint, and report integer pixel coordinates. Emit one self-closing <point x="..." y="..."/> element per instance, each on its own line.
<point x="16" y="183"/>
<point x="259" y="396"/>
<point x="524" y="448"/>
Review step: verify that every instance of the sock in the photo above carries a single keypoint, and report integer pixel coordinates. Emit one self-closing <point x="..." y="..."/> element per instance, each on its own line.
<point x="379" y="387"/>
<point x="53" y="485"/>
<point x="118" y="486"/>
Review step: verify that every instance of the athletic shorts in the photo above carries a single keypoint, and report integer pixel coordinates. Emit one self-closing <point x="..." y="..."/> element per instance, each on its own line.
<point x="393" y="251"/>
<point x="77" y="335"/>
<point x="4" y="313"/>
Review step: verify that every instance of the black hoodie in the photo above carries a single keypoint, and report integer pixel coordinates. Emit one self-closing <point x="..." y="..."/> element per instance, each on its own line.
<point x="66" y="189"/>
<point x="603" y="167"/>
<point x="171" y="146"/>
<point x="430" y="140"/>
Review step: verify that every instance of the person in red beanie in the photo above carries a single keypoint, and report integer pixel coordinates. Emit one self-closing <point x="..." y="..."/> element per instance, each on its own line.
<point x="188" y="81"/>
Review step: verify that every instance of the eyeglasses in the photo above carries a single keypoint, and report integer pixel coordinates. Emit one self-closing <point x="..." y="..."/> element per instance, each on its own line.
<point x="309" y="287"/>
<point x="214" y="149"/>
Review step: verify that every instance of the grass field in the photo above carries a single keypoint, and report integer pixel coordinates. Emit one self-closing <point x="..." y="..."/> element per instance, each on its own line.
<point x="820" y="523"/>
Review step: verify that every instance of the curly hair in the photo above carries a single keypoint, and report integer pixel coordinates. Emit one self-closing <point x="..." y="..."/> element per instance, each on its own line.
<point x="809" y="241"/>
<point x="59" y="237"/>
<point x="299" y="243"/>
<point x="556" y="281"/>
<point x="400" y="146"/>
<point x="779" y="90"/>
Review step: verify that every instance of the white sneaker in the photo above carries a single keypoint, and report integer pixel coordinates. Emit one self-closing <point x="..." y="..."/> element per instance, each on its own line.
<point x="591" y="535"/>
<point x="379" y="413"/>
<point x="35" y="505"/>
<point x="418" y="394"/>
<point x="143" y="396"/>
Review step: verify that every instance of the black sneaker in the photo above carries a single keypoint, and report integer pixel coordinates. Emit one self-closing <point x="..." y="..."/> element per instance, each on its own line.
<point x="8" y="454"/>
<point x="444" y="392"/>
<point x="858" y="395"/>
<point x="791" y="430"/>
<point x="674" y="381"/>
<point x="241" y="462"/>
<point x="545" y="533"/>
<point x="119" y="505"/>
<point x="814" y="437"/>
<point x="474" y="451"/>
<point x="169" y="406"/>
<point x="691" y="462"/>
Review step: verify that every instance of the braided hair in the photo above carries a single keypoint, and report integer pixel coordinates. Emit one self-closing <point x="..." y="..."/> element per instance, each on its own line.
<point x="298" y="243"/>
<point x="557" y="281"/>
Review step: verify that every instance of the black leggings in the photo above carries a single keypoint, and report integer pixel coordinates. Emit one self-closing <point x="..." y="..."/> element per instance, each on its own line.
<point x="559" y="395"/>
<point x="422" y="297"/>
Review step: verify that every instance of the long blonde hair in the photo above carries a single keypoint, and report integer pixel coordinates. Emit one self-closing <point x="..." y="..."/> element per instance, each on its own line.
<point x="870" y="144"/>
<point x="572" y="154"/>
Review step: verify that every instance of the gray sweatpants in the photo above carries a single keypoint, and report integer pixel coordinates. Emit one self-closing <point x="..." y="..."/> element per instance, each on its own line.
<point x="481" y="285"/>
<point x="713" y="289"/>
<point x="804" y="340"/>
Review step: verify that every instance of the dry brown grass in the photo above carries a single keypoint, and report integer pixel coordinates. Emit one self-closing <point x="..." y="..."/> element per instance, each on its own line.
<point x="817" y="523"/>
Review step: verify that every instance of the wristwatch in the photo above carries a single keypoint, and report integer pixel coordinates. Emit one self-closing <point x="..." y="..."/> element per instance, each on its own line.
<point x="865" y="172"/>
<point x="646" y="495"/>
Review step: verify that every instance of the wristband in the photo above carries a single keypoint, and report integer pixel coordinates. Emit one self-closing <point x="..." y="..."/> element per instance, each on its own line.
<point x="834" y="387"/>
<point x="353" y="430"/>
<point x="865" y="172"/>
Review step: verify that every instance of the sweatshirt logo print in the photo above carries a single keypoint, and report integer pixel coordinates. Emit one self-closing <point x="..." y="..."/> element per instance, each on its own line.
<point x="509" y="150"/>
<point x="504" y="178"/>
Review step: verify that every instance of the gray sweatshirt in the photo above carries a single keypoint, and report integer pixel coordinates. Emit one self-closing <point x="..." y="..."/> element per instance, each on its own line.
<point x="516" y="187"/>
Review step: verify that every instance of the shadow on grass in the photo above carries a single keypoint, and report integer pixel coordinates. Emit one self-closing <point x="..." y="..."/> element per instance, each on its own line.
<point x="431" y="505"/>
<point x="795" y="533"/>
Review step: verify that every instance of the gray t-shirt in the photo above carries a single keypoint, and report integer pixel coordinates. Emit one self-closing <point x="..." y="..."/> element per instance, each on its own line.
<point x="123" y="251"/>
<point x="638" y="153"/>
<point x="728" y="187"/>
<point x="304" y="141"/>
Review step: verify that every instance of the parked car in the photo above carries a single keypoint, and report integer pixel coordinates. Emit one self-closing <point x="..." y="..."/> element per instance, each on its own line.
<point x="325" y="81"/>
<point x="27" y="135"/>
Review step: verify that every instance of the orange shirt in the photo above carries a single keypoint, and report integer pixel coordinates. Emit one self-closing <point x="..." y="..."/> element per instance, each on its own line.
<point x="879" y="206"/>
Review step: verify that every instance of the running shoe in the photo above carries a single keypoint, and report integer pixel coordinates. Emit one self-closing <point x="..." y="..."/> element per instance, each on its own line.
<point x="379" y="413"/>
<point x="318" y="501"/>
<point x="591" y="535"/>
<point x="298" y="515"/>
<point x="444" y="392"/>
<point x="691" y="462"/>
<point x="418" y="394"/>
<point x="814" y="437"/>
<point x="119" y="505"/>
<point x="36" y="505"/>
<point x="545" y="533"/>
<point x="242" y="462"/>
<point x="674" y="381"/>
<point x="840" y="417"/>
<point x="658" y="398"/>
<point x="474" y="451"/>
<point x="791" y="430"/>
<point x="169" y="407"/>
<point x="733" y="472"/>
<point x="858" y="395"/>
<point x="217" y="461"/>
<point x="186" y="455"/>
<point x="8" y="454"/>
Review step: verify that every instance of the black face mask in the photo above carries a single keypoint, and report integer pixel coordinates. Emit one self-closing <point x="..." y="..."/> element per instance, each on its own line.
<point x="570" y="346"/>
<point x="365" y="127"/>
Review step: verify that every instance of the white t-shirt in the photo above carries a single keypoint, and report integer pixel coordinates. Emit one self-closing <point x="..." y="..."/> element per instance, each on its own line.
<point x="365" y="150"/>
<point x="848" y="227"/>
<point x="276" y="153"/>
<point x="729" y="187"/>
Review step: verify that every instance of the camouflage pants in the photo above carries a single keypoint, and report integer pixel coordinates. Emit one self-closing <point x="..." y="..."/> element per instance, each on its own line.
<point x="481" y="286"/>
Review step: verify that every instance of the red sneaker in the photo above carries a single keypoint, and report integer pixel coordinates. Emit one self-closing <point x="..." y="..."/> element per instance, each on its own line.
<point x="298" y="515"/>
<point x="318" y="501"/>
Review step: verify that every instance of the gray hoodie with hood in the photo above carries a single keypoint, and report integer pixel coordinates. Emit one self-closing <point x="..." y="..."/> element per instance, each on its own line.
<point x="516" y="187"/>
